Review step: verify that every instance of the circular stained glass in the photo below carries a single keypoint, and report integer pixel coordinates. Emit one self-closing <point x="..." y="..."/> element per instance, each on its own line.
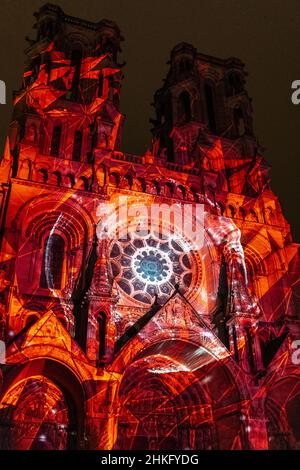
<point x="146" y="267"/>
<point x="151" y="265"/>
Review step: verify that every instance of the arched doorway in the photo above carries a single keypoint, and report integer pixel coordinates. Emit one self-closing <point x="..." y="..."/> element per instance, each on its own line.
<point x="162" y="409"/>
<point x="282" y="413"/>
<point x="34" y="415"/>
<point x="41" y="407"/>
<point x="176" y="395"/>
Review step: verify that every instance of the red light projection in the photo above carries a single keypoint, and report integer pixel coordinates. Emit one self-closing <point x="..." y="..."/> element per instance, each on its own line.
<point x="141" y="341"/>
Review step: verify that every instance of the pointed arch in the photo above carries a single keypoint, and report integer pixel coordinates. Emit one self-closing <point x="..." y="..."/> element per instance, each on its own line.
<point x="184" y="107"/>
<point x="210" y="106"/>
<point x="101" y="320"/>
<point x="52" y="264"/>
<point x="77" y="146"/>
<point x="55" y="141"/>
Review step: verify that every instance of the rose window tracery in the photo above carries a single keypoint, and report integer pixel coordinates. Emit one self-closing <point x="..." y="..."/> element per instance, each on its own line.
<point x="146" y="267"/>
<point x="151" y="265"/>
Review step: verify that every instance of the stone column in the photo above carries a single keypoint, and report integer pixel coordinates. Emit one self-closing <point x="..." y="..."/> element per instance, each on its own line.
<point x="255" y="422"/>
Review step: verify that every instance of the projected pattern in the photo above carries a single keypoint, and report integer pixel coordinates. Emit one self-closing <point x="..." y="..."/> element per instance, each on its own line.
<point x="141" y="343"/>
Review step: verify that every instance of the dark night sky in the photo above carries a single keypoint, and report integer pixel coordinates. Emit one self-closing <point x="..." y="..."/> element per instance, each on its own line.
<point x="264" y="34"/>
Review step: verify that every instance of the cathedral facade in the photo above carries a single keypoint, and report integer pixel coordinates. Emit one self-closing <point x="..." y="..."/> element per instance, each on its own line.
<point x="117" y="336"/>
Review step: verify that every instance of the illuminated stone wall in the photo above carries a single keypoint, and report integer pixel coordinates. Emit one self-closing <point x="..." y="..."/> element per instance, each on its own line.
<point x="141" y="342"/>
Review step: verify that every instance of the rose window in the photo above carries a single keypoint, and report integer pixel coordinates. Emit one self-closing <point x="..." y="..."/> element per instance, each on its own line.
<point x="152" y="265"/>
<point x="148" y="267"/>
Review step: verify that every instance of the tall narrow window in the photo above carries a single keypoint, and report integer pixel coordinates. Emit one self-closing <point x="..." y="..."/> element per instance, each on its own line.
<point x="100" y="85"/>
<point x="169" y="113"/>
<point x="239" y="122"/>
<point x="250" y="349"/>
<point x="77" y="146"/>
<point x="76" y="59"/>
<point x="55" y="141"/>
<point x="102" y="335"/>
<point x="210" y="109"/>
<point x="234" y="84"/>
<point x="52" y="265"/>
<point x="184" y="108"/>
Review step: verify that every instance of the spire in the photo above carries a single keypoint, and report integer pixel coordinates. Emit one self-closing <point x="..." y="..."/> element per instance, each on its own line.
<point x="101" y="282"/>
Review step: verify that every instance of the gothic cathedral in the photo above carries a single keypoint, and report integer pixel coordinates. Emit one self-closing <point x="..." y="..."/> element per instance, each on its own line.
<point x="136" y="340"/>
